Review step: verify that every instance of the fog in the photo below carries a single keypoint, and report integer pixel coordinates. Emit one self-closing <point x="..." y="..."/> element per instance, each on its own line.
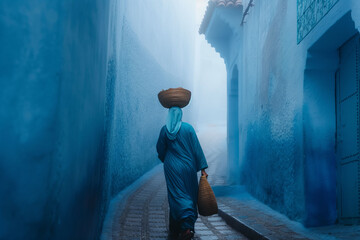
<point x="209" y="89"/>
<point x="79" y="115"/>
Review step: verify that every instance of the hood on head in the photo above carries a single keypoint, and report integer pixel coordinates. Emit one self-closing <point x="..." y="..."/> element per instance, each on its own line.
<point x="173" y="122"/>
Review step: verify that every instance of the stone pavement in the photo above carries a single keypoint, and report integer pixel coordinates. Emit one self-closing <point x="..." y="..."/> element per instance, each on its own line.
<point x="257" y="221"/>
<point x="145" y="216"/>
<point x="142" y="212"/>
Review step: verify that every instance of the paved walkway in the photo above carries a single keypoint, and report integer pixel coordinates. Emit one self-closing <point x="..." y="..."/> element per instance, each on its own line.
<point x="258" y="221"/>
<point x="145" y="213"/>
<point x="146" y="216"/>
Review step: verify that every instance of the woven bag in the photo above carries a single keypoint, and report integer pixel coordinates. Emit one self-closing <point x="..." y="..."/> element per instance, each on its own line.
<point x="207" y="204"/>
<point x="174" y="97"/>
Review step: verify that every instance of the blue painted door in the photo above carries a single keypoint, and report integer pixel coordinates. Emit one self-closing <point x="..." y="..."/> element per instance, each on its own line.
<point x="347" y="128"/>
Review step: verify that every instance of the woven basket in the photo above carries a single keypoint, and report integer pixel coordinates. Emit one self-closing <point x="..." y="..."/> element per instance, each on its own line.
<point x="174" y="97"/>
<point x="207" y="204"/>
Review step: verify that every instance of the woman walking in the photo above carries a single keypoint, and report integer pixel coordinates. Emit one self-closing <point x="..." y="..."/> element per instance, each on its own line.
<point x="179" y="149"/>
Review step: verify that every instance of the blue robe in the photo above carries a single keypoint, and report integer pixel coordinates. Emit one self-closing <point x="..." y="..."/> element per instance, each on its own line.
<point x="183" y="158"/>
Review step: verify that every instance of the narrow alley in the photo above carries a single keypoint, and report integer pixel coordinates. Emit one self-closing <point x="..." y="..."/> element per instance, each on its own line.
<point x="180" y="119"/>
<point x="145" y="214"/>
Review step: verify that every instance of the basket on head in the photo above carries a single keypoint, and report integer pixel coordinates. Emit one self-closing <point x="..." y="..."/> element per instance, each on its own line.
<point x="207" y="204"/>
<point x="174" y="97"/>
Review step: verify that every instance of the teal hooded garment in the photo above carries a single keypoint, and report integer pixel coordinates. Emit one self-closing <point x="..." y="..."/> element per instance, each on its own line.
<point x="173" y="122"/>
<point x="179" y="149"/>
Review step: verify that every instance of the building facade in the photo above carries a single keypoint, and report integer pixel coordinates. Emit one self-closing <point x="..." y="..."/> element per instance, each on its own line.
<point x="293" y="102"/>
<point x="79" y="114"/>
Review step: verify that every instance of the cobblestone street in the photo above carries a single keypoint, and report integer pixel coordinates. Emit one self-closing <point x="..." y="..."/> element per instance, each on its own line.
<point x="145" y="214"/>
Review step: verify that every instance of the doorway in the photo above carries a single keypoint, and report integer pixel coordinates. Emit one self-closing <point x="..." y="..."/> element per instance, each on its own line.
<point x="347" y="132"/>
<point x="331" y="126"/>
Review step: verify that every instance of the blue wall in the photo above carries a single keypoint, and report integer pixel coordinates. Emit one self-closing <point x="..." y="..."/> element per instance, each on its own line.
<point x="319" y="127"/>
<point x="287" y="109"/>
<point x="78" y="108"/>
<point x="287" y="102"/>
<point x="137" y="115"/>
<point x="53" y="68"/>
<point x="150" y="48"/>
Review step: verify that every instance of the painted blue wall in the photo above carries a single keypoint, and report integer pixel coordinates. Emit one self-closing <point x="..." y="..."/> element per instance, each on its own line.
<point x="319" y="127"/>
<point x="144" y="63"/>
<point x="53" y="68"/>
<point x="287" y="109"/>
<point x="78" y="107"/>
<point x="286" y="104"/>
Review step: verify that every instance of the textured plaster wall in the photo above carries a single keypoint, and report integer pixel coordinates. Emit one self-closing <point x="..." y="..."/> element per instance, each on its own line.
<point x="152" y="48"/>
<point x="52" y="78"/>
<point x="270" y="107"/>
<point x="276" y="128"/>
<point x="78" y="108"/>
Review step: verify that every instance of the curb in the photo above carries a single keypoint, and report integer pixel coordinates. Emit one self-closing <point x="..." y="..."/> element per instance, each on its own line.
<point x="240" y="226"/>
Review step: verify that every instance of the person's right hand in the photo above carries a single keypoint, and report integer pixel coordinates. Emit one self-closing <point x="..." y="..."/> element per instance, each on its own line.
<point x="203" y="173"/>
